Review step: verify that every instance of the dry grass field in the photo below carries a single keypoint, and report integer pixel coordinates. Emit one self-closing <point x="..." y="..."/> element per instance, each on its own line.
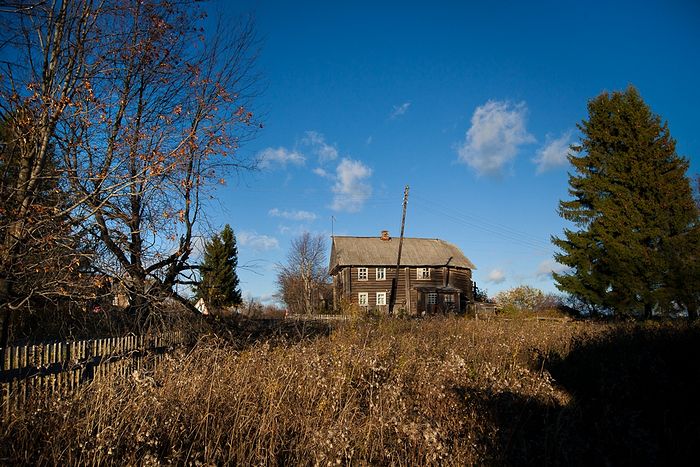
<point x="450" y="391"/>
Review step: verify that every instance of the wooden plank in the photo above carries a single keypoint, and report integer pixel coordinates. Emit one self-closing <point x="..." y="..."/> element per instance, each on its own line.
<point x="6" y="360"/>
<point x="15" y="357"/>
<point x="23" y="359"/>
<point x="44" y="355"/>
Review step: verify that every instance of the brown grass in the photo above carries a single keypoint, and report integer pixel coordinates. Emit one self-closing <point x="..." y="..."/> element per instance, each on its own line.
<point x="439" y="391"/>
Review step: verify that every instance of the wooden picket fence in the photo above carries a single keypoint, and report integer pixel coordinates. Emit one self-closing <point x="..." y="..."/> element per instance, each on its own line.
<point x="61" y="367"/>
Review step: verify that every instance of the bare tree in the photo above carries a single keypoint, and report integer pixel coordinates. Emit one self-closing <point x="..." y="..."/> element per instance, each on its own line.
<point x="302" y="281"/>
<point x="167" y="118"/>
<point x="45" y="48"/>
<point x="146" y="111"/>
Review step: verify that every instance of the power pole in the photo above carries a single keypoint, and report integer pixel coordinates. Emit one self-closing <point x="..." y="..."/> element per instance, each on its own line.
<point x="395" y="279"/>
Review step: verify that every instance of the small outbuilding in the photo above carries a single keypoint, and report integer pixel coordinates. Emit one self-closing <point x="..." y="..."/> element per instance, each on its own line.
<point x="202" y="307"/>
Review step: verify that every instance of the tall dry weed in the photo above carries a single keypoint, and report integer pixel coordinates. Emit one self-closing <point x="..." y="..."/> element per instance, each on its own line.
<point x="392" y="392"/>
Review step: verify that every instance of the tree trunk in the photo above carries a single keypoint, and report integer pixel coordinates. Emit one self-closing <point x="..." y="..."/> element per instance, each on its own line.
<point x="307" y="297"/>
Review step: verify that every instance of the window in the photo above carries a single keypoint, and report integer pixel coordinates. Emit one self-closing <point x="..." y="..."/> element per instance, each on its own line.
<point x="432" y="298"/>
<point x="363" y="299"/>
<point x="381" y="274"/>
<point x="381" y="298"/>
<point x="362" y="274"/>
<point x="423" y="273"/>
<point x="449" y="298"/>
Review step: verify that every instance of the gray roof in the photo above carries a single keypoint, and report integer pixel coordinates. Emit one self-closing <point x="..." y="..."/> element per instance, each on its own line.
<point x="373" y="251"/>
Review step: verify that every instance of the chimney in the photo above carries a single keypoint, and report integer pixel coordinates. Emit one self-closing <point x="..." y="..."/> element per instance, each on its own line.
<point x="385" y="235"/>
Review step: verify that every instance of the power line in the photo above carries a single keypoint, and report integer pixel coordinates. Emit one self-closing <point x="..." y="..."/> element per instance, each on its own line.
<point x="486" y="226"/>
<point x="485" y="221"/>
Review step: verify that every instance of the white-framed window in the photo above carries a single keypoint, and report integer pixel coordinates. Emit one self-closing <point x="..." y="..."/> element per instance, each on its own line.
<point x="423" y="273"/>
<point x="381" y="298"/>
<point x="449" y="298"/>
<point x="363" y="299"/>
<point x="432" y="298"/>
<point x="381" y="274"/>
<point x="362" y="274"/>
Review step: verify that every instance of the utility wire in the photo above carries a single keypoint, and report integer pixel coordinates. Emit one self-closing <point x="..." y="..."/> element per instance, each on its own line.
<point x="486" y="226"/>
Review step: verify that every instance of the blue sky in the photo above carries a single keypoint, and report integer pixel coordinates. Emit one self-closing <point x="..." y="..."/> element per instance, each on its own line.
<point x="471" y="104"/>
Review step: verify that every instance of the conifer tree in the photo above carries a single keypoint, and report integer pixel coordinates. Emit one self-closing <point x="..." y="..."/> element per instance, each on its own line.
<point x="219" y="284"/>
<point x="636" y="246"/>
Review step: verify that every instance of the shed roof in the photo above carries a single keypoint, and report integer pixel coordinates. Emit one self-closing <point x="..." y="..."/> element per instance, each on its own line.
<point x="373" y="251"/>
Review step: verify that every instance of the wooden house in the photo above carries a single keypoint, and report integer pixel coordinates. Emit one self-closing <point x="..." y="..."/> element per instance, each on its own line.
<point x="434" y="275"/>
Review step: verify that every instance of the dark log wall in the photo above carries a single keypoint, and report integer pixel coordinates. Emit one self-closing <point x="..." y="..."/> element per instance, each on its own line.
<point x="347" y="284"/>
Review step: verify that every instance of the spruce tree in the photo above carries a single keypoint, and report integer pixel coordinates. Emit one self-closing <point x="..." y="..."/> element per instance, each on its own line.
<point x="636" y="245"/>
<point x="219" y="284"/>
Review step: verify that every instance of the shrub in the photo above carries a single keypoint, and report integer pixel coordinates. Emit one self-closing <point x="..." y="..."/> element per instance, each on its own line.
<point x="526" y="299"/>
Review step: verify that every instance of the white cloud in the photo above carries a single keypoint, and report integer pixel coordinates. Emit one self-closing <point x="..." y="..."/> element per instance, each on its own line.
<point x="281" y="156"/>
<point x="325" y="152"/>
<point x="293" y="215"/>
<point x="268" y="299"/>
<point x="294" y="230"/>
<point x="399" y="110"/>
<point x="496" y="276"/>
<point x="257" y="242"/>
<point x="322" y="172"/>
<point x="351" y="189"/>
<point x="548" y="266"/>
<point x="553" y="154"/>
<point x="497" y="130"/>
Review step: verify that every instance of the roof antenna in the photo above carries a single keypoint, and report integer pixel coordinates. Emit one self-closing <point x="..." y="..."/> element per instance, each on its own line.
<point x="332" y="226"/>
<point x="394" y="280"/>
